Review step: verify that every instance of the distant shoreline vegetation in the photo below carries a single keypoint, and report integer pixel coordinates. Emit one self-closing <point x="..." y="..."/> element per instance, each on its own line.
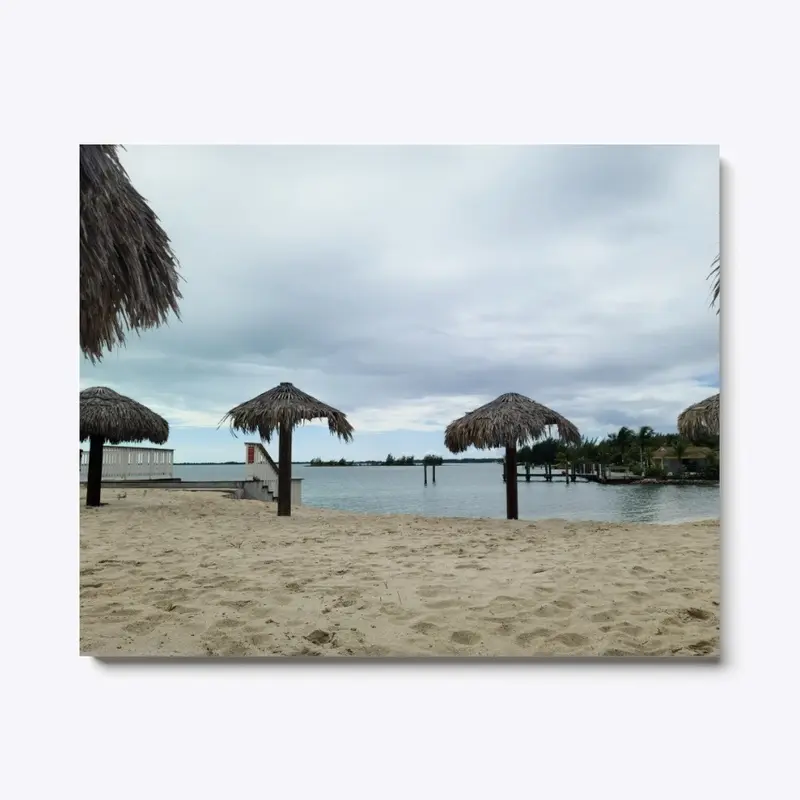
<point x="403" y="461"/>
<point x="206" y="463"/>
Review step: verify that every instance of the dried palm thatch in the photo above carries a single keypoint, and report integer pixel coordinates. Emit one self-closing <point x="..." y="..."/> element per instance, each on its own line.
<point x="701" y="419"/>
<point x="282" y="409"/>
<point x="285" y="405"/>
<point x="715" y="274"/>
<point x="106" y="416"/>
<point x="129" y="274"/>
<point x="509" y="421"/>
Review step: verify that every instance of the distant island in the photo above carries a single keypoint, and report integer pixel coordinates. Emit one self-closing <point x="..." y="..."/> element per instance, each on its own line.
<point x="206" y="463"/>
<point x="403" y="461"/>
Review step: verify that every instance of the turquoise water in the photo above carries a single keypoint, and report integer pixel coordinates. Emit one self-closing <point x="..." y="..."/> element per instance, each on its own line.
<point x="477" y="490"/>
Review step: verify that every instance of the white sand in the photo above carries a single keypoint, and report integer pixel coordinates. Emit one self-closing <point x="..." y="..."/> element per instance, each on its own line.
<point x="168" y="573"/>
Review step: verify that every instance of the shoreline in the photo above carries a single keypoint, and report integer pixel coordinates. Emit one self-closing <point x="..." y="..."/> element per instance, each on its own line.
<point x="184" y="573"/>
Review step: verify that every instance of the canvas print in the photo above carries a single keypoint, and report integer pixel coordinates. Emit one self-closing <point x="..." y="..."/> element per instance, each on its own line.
<point x="399" y="401"/>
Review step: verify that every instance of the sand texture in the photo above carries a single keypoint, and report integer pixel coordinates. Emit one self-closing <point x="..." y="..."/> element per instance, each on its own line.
<point x="169" y="573"/>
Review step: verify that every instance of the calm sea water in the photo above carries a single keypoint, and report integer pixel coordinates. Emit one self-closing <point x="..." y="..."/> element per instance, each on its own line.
<point x="477" y="490"/>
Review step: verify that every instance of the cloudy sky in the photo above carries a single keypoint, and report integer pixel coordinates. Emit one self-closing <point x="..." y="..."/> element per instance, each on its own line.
<point x="408" y="285"/>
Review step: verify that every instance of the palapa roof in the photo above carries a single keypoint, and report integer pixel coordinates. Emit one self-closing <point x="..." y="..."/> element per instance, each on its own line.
<point x="129" y="274"/>
<point x="701" y="419"/>
<point x="510" y="420"/>
<point x="285" y="404"/>
<point x="117" y="418"/>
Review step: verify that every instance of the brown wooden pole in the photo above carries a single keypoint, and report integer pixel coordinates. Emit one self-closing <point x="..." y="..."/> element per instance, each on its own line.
<point x="425" y="473"/>
<point x="285" y="471"/>
<point x="512" y="508"/>
<point x="433" y="470"/>
<point x="94" y="475"/>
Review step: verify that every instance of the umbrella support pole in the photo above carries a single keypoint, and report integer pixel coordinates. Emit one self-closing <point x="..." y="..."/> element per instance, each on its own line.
<point x="512" y="506"/>
<point x="285" y="471"/>
<point x="94" y="474"/>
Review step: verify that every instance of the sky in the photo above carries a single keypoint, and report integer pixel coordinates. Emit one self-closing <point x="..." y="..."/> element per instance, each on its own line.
<point x="408" y="285"/>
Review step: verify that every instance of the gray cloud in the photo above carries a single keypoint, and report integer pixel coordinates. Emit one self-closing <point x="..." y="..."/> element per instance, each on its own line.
<point x="380" y="277"/>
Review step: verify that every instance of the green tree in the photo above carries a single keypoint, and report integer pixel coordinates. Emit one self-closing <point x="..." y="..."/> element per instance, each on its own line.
<point x="644" y="437"/>
<point x="679" y="448"/>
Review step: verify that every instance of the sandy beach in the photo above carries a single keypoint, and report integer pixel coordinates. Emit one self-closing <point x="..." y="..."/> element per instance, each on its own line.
<point x="178" y="573"/>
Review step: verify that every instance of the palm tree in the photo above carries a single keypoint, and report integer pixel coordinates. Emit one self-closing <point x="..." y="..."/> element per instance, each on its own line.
<point x="643" y="438"/>
<point x="590" y="450"/>
<point x="679" y="448"/>
<point x="621" y="441"/>
<point x="604" y="450"/>
<point x="525" y="457"/>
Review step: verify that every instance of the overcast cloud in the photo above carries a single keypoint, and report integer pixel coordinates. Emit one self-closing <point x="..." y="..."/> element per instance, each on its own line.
<point x="408" y="285"/>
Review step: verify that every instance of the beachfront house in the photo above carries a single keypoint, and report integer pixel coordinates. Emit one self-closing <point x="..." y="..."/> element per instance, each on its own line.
<point x="694" y="459"/>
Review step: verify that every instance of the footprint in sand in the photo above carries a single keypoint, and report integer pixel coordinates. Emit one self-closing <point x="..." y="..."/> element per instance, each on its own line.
<point x="123" y="613"/>
<point x="629" y="629"/>
<point x="698" y="613"/>
<point x="524" y="639"/>
<point x="504" y="629"/>
<point x="465" y="637"/>
<point x="703" y="647"/>
<point x="431" y="591"/>
<point x="237" y="603"/>
<point x="444" y="604"/>
<point x="227" y="623"/>
<point x="424" y="627"/>
<point x="571" y="639"/>
<point x="603" y="616"/>
<point x="147" y="625"/>
<point x="549" y="610"/>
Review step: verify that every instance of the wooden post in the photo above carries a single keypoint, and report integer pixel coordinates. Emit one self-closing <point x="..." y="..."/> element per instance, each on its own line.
<point x="425" y="472"/>
<point x="528" y="472"/>
<point x="433" y="469"/>
<point x="94" y="475"/>
<point x="285" y="471"/>
<point x="512" y="506"/>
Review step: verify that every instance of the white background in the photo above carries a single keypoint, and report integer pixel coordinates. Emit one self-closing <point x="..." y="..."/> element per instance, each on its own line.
<point x="154" y="72"/>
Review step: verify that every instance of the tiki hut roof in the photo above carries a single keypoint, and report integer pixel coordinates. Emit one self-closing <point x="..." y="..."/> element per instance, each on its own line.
<point x="118" y="418"/>
<point x="510" y="420"/>
<point x="701" y="419"/>
<point x="287" y="405"/>
<point x="129" y="274"/>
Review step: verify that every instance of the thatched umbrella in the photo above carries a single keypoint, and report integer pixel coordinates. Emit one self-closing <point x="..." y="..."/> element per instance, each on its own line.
<point x="510" y="420"/>
<point x="110" y="417"/>
<point x="281" y="409"/>
<point x="129" y="274"/>
<point x="701" y="419"/>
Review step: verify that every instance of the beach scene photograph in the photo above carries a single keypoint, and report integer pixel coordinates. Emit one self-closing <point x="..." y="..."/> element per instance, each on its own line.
<point x="406" y="402"/>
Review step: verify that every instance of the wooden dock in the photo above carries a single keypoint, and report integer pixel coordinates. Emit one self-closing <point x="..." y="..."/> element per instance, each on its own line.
<point x="573" y="477"/>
